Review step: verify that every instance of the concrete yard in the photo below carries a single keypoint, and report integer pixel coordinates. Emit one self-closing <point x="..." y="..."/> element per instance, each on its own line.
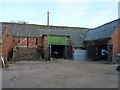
<point x="60" y="74"/>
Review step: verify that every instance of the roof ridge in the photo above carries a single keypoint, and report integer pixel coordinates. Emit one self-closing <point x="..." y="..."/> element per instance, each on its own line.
<point x="45" y="25"/>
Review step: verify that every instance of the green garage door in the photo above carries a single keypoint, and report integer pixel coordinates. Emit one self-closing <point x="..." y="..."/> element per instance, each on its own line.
<point x="57" y="40"/>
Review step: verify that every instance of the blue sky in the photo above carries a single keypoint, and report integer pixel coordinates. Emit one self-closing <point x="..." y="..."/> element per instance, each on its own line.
<point x="75" y="14"/>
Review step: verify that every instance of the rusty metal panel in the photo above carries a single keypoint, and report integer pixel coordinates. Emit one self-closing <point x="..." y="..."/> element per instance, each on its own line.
<point x="110" y="52"/>
<point x="91" y="52"/>
<point x="68" y="52"/>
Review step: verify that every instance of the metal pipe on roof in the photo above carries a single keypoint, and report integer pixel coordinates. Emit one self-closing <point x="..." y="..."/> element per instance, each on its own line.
<point x="48" y="31"/>
<point x="48" y="18"/>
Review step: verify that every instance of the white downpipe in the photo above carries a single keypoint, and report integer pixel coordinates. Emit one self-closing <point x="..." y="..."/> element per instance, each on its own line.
<point x="3" y="61"/>
<point x="50" y="51"/>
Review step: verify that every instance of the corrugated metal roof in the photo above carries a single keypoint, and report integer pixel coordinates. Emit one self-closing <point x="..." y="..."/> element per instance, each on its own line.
<point x="29" y="30"/>
<point x="102" y="32"/>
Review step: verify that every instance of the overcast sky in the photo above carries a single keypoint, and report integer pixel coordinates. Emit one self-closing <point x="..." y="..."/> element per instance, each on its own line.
<point x="75" y="14"/>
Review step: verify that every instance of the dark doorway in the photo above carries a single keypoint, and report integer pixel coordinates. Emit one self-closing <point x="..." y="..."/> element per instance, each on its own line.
<point x="57" y="51"/>
<point x="102" y="52"/>
<point x="68" y="52"/>
<point x="92" y="52"/>
<point x="10" y="55"/>
<point x="110" y="52"/>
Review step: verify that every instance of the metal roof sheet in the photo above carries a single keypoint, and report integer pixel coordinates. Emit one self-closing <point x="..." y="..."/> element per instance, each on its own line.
<point x="26" y="30"/>
<point x="102" y="32"/>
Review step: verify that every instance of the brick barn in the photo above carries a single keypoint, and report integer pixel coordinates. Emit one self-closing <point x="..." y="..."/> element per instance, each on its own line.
<point x="30" y="41"/>
<point x="105" y="37"/>
<point x="40" y="41"/>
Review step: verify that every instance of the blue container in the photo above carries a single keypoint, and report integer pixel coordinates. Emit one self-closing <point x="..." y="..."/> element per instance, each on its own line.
<point x="117" y="58"/>
<point x="80" y="55"/>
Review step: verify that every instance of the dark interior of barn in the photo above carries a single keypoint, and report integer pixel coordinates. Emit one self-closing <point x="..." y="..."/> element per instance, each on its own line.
<point x="102" y="52"/>
<point x="57" y="51"/>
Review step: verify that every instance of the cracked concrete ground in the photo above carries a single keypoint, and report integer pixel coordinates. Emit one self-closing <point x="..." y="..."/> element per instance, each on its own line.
<point x="60" y="74"/>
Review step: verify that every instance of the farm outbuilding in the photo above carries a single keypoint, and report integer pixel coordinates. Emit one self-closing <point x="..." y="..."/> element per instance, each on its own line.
<point x="46" y="41"/>
<point x="105" y="37"/>
<point x="30" y="41"/>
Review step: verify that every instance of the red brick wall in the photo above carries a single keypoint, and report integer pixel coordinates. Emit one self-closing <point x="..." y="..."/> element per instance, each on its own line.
<point x="15" y="41"/>
<point x="114" y="40"/>
<point x="31" y="41"/>
<point x="39" y="41"/>
<point x="45" y="41"/>
<point x="45" y="47"/>
<point x="7" y="43"/>
<point x="23" y="43"/>
<point x="119" y="39"/>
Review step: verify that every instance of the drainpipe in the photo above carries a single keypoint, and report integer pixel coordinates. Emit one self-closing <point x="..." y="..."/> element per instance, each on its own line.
<point x="50" y="51"/>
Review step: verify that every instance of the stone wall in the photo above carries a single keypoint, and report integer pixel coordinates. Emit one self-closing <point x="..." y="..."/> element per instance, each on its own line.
<point x="25" y="54"/>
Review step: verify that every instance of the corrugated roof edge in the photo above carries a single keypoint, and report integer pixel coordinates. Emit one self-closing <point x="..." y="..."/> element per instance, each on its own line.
<point x="99" y="27"/>
<point x="106" y="24"/>
<point x="96" y="39"/>
<point x="44" y="25"/>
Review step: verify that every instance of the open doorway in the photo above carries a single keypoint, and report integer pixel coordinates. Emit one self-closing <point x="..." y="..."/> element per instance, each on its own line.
<point x="10" y="55"/>
<point x="102" y="52"/>
<point x="57" y="51"/>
